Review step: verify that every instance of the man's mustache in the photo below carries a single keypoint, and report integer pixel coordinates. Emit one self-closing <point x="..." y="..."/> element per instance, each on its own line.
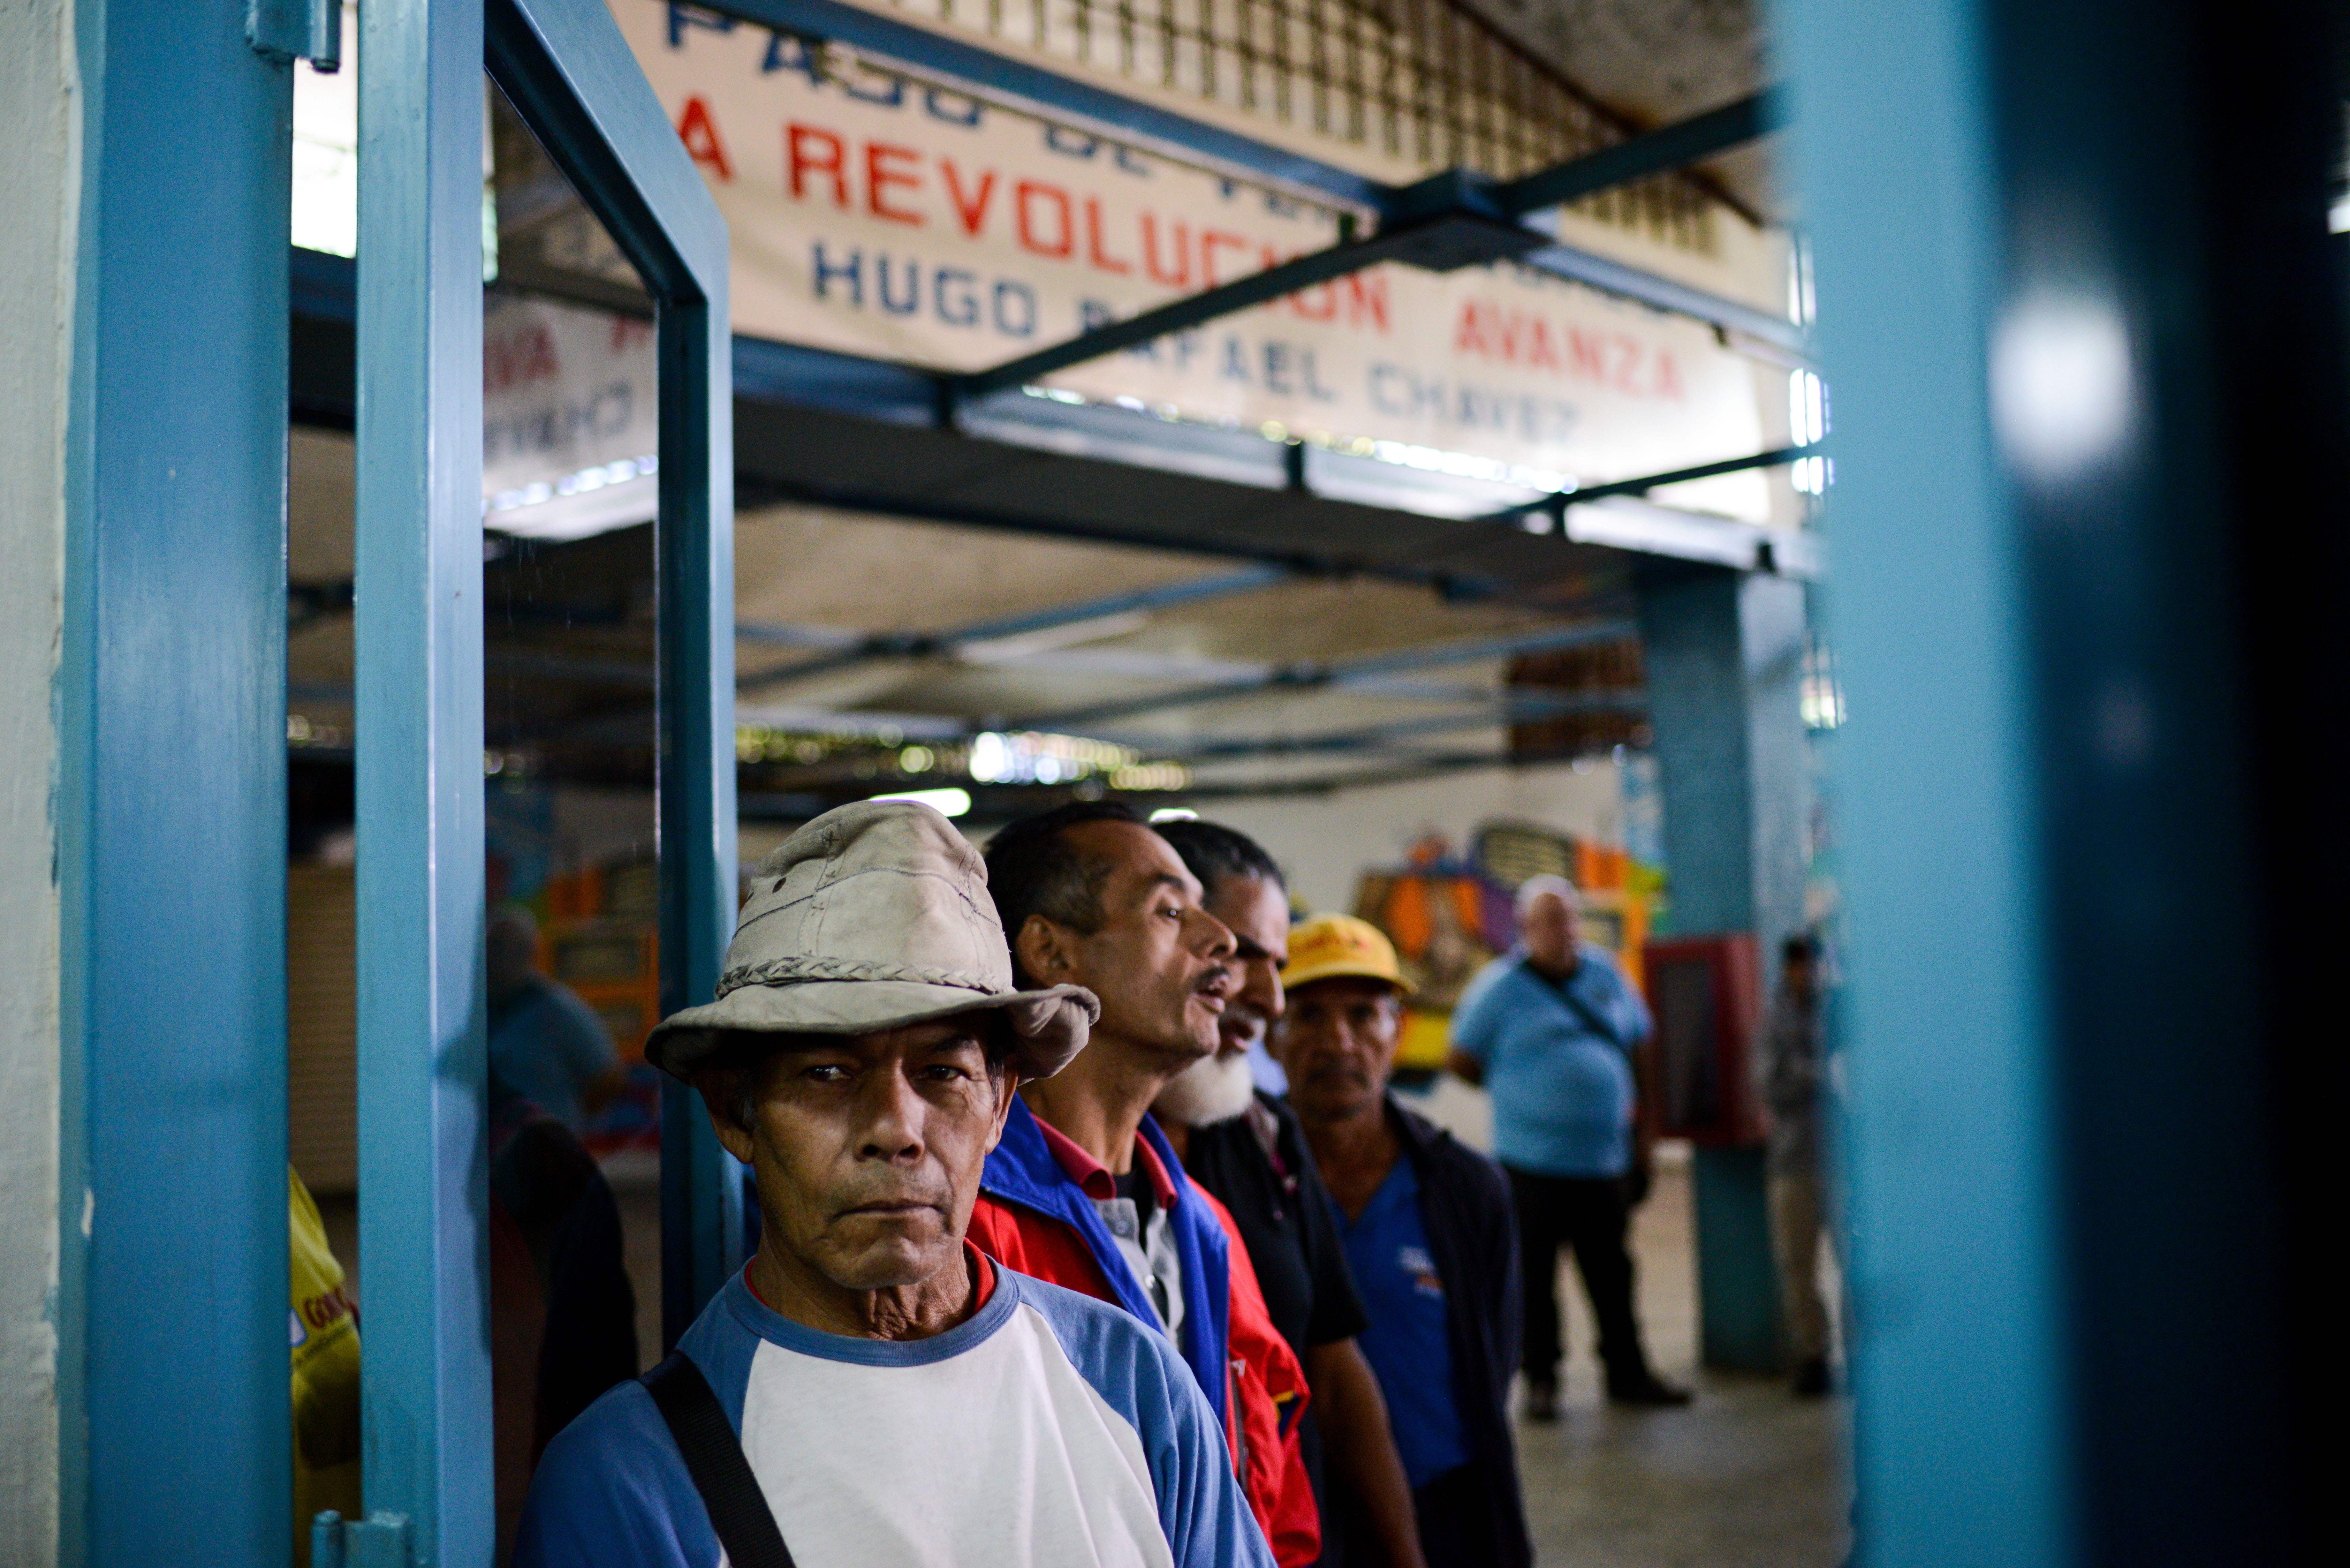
<point x="1223" y="978"/>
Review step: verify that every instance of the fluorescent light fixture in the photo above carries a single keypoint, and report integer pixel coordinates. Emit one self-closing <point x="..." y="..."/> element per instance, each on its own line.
<point x="1174" y="813"/>
<point x="2063" y="391"/>
<point x="945" y="802"/>
<point x="991" y="759"/>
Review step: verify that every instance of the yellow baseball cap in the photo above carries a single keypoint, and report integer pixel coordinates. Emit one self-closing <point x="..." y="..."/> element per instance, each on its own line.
<point x="1329" y="947"/>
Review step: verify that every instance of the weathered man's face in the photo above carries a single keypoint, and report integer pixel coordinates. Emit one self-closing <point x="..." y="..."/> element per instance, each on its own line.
<point x="1257" y="912"/>
<point x="1161" y="963"/>
<point x="1337" y="1045"/>
<point x="1551" y="927"/>
<point x="1218" y="1087"/>
<point x="866" y="1150"/>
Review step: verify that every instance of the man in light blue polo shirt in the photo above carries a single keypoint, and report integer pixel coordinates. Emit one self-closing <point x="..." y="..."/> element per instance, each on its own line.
<point x="1553" y="1030"/>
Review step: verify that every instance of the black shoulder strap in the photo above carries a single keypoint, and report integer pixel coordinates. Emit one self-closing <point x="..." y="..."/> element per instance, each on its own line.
<point x="1565" y="991"/>
<point x="714" y="1457"/>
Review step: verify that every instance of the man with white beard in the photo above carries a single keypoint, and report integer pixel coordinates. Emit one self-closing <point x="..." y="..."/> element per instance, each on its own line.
<point x="1246" y="1147"/>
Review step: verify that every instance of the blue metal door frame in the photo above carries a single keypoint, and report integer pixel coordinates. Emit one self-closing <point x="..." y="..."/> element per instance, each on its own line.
<point x="417" y="704"/>
<point x="568" y="72"/>
<point x="422" y="1043"/>
<point x="174" y="1424"/>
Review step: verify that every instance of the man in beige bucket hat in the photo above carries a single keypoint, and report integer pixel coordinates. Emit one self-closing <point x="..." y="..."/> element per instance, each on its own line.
<point x="871" y="1388"/>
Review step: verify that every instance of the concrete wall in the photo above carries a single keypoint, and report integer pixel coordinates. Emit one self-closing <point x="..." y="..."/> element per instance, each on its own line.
<point x="39" y="182"/>
<point x="1327" y="841"/>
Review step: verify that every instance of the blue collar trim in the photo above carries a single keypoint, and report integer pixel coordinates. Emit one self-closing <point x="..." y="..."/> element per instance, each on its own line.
<point x="777" y="1329"/>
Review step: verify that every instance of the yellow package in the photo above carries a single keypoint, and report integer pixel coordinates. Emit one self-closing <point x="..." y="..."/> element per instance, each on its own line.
<point x="326" y="1375"/>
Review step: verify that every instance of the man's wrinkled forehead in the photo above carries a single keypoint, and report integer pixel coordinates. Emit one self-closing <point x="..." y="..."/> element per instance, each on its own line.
<point x="910" y="1039"/>
<point x="1122" y="854"/>
<point x="1255" y="911"/>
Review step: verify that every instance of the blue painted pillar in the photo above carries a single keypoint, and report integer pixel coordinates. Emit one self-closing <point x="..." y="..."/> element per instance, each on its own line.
<point x="1724" y="654"/>
<point x="172" y="1375"/>
<point x="2090" y="340"/>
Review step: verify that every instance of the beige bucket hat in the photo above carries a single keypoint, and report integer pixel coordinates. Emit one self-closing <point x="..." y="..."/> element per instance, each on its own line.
<point x="872" y="917"/>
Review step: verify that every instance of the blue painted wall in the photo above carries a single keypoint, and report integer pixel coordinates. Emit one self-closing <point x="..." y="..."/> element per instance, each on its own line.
<point x="174" y="1377"/>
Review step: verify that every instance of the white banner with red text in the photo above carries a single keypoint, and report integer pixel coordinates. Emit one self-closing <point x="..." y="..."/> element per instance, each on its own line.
<point x="890" y="219"/>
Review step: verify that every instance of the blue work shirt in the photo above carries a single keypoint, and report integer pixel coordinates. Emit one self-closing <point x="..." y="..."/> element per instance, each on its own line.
<point x="1562" y="1091"/>
<point x="1410" y="1342"/>
<point x="548" y="1045"/>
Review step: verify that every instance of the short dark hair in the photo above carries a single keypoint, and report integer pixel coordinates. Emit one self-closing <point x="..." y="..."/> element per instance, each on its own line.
<point x="1033" y="869"/>
<point x="1214" y="852"/>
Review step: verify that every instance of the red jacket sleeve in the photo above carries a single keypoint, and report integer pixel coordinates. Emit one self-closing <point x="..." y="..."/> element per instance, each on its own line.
<point x="1038" y="1246"/>
<point x="1267" y="1396"/>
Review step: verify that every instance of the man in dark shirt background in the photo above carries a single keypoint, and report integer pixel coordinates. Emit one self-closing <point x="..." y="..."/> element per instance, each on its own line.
<point x="1430" y="1237"/>
<point x="1793" y="1074"/>
<point x="1246" y="1147"/>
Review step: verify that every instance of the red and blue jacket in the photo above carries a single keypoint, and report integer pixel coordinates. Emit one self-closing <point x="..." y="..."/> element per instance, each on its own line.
<point x="1036" y="1213"/>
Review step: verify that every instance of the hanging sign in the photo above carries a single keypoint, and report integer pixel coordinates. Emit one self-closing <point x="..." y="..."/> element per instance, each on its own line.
<point x="570" y="419"/>
<point x="890" y="218"/>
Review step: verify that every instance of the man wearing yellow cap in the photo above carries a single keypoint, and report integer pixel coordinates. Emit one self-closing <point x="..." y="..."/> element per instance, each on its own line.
<point x="1429" y="1235"/>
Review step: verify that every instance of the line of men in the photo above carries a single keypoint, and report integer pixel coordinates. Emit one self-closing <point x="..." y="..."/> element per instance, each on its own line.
<point x="1041" y="1276"/>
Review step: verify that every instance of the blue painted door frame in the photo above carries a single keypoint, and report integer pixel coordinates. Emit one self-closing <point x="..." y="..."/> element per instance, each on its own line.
<point x="2087" y="332"/>
<point x="565" y="68"/>
<point x="418" y="705"/>
<point x="422" y="1052"/>
<point x="173" y="1373"/>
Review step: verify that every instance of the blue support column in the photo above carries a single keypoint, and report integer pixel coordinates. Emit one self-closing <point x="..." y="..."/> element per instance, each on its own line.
<point x="1724" y="657"/>
<point x="173" y="1376"/>
<point x="1962" y="1456"/>
<point x="2090" y="340"/>
<point x="422" y="1050"/>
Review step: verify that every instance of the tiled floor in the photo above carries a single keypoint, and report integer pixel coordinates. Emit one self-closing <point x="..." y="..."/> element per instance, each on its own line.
<point x="1747" y="1477"/>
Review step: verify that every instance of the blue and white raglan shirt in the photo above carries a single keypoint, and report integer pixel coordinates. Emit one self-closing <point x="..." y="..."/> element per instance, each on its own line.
<point x="1048" y="1428"/>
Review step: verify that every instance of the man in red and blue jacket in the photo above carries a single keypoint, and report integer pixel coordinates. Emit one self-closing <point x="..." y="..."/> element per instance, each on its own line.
<point x="1083" y="1189"/>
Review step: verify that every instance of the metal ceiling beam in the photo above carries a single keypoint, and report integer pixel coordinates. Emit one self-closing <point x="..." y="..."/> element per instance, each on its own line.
<point x="1668" y="148"/>
<point x="1018" y="83"/>
<point x="1789" y="343"/>
<point x="1556" y="503"/>
<point x="1311" y="676"/>
<point x="1458" y="219"/>
<point x="1507" y="709"/>
<point x="1189" y="591"/>
<point x="1512" y="705"/>
<point x="768" y="488"/>
<point x="949" y="643"/>
<point x="1434" y="764"/>
<point x="1349" y="255"/>
<point x="788" y="382"/>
